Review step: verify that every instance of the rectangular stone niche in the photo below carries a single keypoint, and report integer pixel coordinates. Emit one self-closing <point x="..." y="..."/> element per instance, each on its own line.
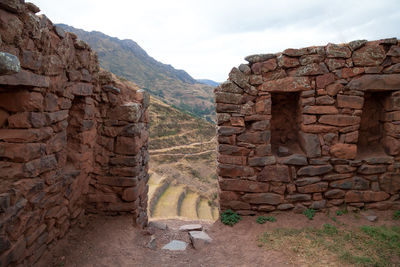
<point x="372" y="131"/>
<point x="284" y="123"/>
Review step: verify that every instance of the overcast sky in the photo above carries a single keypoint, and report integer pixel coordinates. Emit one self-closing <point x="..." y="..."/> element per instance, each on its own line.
<point x="207" y="38"/>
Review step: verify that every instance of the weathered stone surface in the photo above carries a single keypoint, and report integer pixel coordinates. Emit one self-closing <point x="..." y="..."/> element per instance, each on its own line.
<point x="277" y="173"/>
<point x="259" y="57"/>
<point x="320" y="110"/>
<point x="371" y="169"/>
<point x="292" y="52"/>
<point x="365" y="196"/>
<point x="260" y="137"/>
<point x="15" y="6"/>
<point x="261" y="161"/>
<point x="324" y="100"/>
<point x="25" y="78"/>
<point x="318" y="205"/>
<point x="312" y="69"/>
<point x="357" y="183"/>
<point x="243" y="185"/>
<point x="199" y="239"/>
<point x="370" y="55"/>
<point x="314" y="170"/>
<point x="175" y="245"/>
<point x="298" y="197"/>
<point x="313" y="188"/>
<point x="130" y="112"/>
<point x="390" y="182"/>
<point x="9" y="64"/>
<point x="307" y="181"/>
<point x="233" y="150"/>
<point x="233" y="171"/>
<point x="228" y="98"/>
<point x="354" y="45"/>
<point x="229" y="130"/>
<point x="339" y="120"/>
<point x="263" y="198"/>
<point x="191" y="227"/>
<point x="289" y="84"/>
<point x="333" y="50"/>
<point x="334" y="63"/>
<point x="348" y="101"/>
<point x="287" y="62"/>
<point x="375" y="82"/>
<point x="21" y="101"/>
<point x="344" y="151"/>
<point x="334" y="193"/>
<point x="310" y="144"/>
<point x="239" y="78"/>
<point x="229" y="87"/>
<point x="295" y="159"/>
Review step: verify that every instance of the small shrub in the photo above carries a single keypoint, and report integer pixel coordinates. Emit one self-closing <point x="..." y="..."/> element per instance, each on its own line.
<point x="264" y="219"/>
<point x="396" y="215"/>
<point x="309" y="213"/>
<point x="229" y="217"/>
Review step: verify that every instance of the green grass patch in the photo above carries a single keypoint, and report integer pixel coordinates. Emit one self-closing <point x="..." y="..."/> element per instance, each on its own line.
<point x="309" y="213"/>
<point x="229" y="217"/>
<point x="363" y="246"/>
<point x="396" y="215"/>
<point x="264" y="219"/>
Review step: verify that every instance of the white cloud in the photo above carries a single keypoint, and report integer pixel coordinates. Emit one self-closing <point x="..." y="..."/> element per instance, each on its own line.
<point x="207" y="38"/>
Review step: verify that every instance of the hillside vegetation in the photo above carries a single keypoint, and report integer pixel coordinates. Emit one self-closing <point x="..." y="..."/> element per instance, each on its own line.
<point x="127" y="59"/>
<point x="182" y="164"/>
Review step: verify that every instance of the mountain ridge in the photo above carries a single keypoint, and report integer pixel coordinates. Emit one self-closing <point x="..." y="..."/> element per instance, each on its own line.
<point x="127" y="59"/>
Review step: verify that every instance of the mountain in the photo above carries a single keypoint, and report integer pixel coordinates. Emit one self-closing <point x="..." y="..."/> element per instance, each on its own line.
<point x="208" y="82"/>
<point x="127" y="59"/>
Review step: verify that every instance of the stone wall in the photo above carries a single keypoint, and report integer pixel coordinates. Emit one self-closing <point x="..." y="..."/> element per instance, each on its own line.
<point x="311" y="128"/>
<point x="73" y="138"/>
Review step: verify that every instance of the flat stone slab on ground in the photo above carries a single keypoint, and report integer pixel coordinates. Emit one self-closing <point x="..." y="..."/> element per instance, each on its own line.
<point x="159" y="225"/>
<point x="199" y="239"/>
<point x="175" y="245"/>
<point x="191" y="227"/>
<point x="371" y="218"/>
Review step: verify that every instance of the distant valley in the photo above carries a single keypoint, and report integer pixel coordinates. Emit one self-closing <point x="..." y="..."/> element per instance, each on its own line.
<point x="127" y="59"/>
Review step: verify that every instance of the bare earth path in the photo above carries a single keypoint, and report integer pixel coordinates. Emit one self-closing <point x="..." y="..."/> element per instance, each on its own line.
<point x="113" y="241"/>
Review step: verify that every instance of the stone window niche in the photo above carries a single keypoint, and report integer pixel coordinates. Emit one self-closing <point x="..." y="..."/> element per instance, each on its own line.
<point x="371" y="132"/>
<point x="284" y="124"/>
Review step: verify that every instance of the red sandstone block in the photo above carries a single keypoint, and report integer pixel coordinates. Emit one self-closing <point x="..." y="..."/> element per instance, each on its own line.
<point x="263" y="198"/>
<point x="369" y="55"/>
<point x="233" y="171"/>
<point x="348" y="101"/>
<point x="334" y="63"/>
<point x="288" y="62"/>
<point x="21" y="101"/>
<point x="289" y="84"/>
<point x="236" y="160"/>
<point x="339" y="120"/>
<point x="277" y="173"/>
<point x="21" y="152"/>
<point x="317" y="129"/>
<point x="228" y="195"/>
<point x="344" y="151"/>
<point x="334" y="50"/>
<point x="390" y="182"/>
<point x="324" y="80"/>
<point x="365" y="196"/>
<point x="241" y="186"/>
<point x="320" y="110"/>
<point x="351" y="72"/>
<point x="261" y="137"/>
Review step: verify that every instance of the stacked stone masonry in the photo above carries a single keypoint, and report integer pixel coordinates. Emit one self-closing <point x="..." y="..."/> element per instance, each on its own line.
<point x="311" y="128"/>
<point x="73" y="138"/>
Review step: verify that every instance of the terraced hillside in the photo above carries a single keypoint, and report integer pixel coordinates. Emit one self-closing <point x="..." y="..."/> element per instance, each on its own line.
<point x="182" y="165"/>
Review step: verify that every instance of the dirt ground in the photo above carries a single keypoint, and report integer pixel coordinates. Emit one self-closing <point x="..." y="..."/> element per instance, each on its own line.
<point x="113" y="241"/>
